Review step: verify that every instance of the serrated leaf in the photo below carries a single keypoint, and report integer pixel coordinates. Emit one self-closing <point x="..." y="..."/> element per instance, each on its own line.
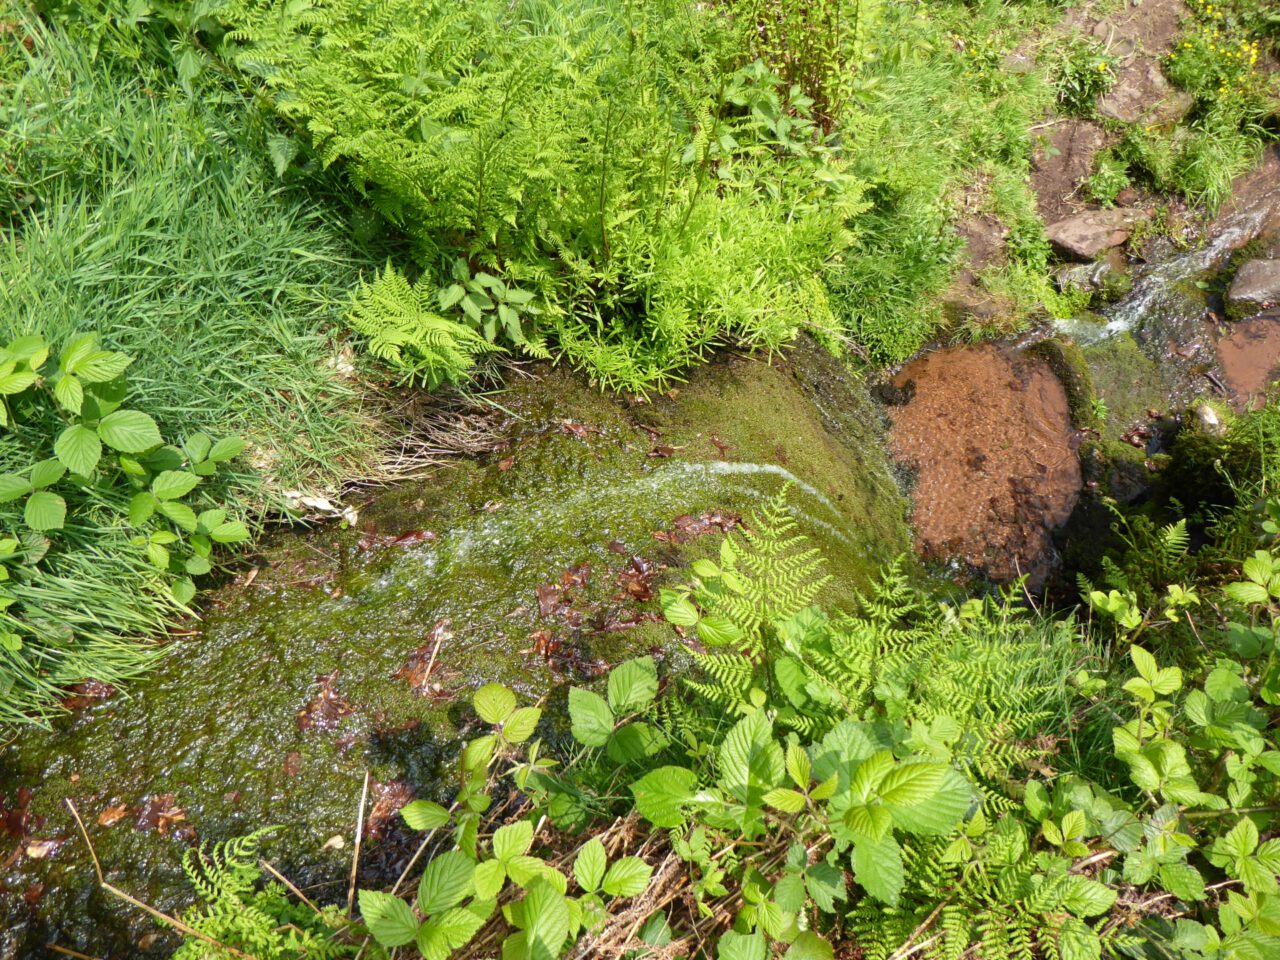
<point x="513" y="840"/>
<point x="678" y="609"/>
<point x="228" y="448"/>
<point x="825" y="884"/>
<point x="1145" y="662"/>
<point x="947" y="806"/>
<point x="788" y="801"/>
<point x="546" y="921"/>
<point x="183" y="590"/>
<point x="173" y="484"/>
<point x="389" y="919"/>
<point x="798" y="766"/>
<point x="632" y="686"/>
<point x="494" y="702"/>
<point x="521" y="724"/>
<point x="13" y="486"/>
<point x="233" y="531"/>
<point x="69" y="393"/>
<point x="809" y="946"/>
<point x="1076" y="941"/>
<point x="46" y="473"/>
<point x="590" y="718"/>
<point x="661" y="794"/>
<point x="424" y="815"/>
<point x="1088" y="898"/>
<point x="458" y="927"/>
<point x="626" y="877"/>
<point x="179" y="513"/>
<point x="101" y="366"/>
<point x="742" y="946"/>
<point x="45" y="511"/>
<point x="489" y="879"/>
<point x="717" y="630"/>
<point x="129" y="431"/>
<point x="589" y="865"/>
<point x="877" y="866"/>
<point x="78" y="449"/>
<point x="448" y="879"/>
<point x="635" y="741"/>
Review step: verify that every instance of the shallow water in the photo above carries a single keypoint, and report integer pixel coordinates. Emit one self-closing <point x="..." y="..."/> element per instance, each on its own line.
<point x="529" y="559"/>
<point x="988" y="433"/>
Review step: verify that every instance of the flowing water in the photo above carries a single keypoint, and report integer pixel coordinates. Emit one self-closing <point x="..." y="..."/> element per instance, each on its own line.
<point x="533" y="569"/>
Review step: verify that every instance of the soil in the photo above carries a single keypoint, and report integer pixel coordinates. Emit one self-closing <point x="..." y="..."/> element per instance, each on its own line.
<point x="1063" y="159"/>
<point x="1249" y="355"/>
<point x="989" y="435"/>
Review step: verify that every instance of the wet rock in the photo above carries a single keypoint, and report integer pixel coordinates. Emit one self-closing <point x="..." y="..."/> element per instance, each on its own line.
<point x="1104" y="280"/>
<point x="1089" y="234"/>
<point x="1061" y="161"/>
<point x="1142" y="94"/>
<point x="1256" y="286"/>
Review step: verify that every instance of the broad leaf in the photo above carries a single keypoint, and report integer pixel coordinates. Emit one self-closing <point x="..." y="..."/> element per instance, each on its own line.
<point x="521" y="724"/>
<point x="388" y="918"/>
<point x="129" y="431"/>
<point x="45" y="511"/>
<point x="632" y="686"/>
<point x="589" y="865"/>
<point x="448" y="879"/>
<point x="877" y="866"/>
<point x="79" y="449"/>
<point x="424" y="815"/>
<point x="591" y="720"/>
<point x="661" y="794"/>
<point x="627" y="877"/>
<point x="513" y="840"/>
<point x="494" y="702"/>
<point x="173" y="484"/>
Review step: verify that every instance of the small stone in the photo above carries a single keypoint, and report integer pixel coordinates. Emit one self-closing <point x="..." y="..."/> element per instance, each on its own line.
<point x="1086" y="235"/>
<point x="1256" y="286"/>
<point x="1209" y="420"/>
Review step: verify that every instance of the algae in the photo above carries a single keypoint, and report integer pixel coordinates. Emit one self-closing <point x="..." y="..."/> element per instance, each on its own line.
<point x="227" y="722"/>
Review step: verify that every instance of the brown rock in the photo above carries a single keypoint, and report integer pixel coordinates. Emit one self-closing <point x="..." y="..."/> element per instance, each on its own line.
<point x="1089" y="234"/>
<point x="1256" y="286"/>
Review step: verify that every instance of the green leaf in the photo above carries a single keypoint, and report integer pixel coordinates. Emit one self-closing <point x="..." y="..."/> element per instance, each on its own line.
<point x="494" y="702"/>
<point x="521" y="724"/>
<point x="458" y="927"/>
<point x="633" y="686"/>
<point x="635" y="741"/>
<point x="798" y="766"/>
<point x="233" y="531"/>
<point x="129" y="431"/>
<point x="13" y="486"/>
<point x="825" y="884"/>
<point x="678" y="609"/>
<point x="661" y="794"/>
<point x="513" y="840"/>
<point x="627" y="877"/>
<point x="388" y="918"/>
<point x="591" y="720"/>
<point x="16" y="381"/>
<point x="47" y="472"/>
<point x="1183" y="881"/>
<point x="546" y="921"/>
<point x="1145" y="663"/>
<point x="78" y="449"/>
<point x="181" y="515"/>
<point x="101" y="366"/>
<point x="788" y="801"/>
<point x="750" y="762"/>
<point x="424" y="815"/>
<point x="228" y="448"/>
<point x="589" y="864"/>
<point x="448" y="879"/>
<point x="69" y="393"/>
<point x="489" y="878"/>
<point x="1088" y="898"/>
<point x="809" y="946"/>
<point x="173" y="484"/>
<point x="1246" y="593"/>
<point x="717" y="630"/>
<point x="45" y="511"/>
<point x="742" y="946"/>
<point x="141" y="506"/>
<point x="877" y="866"/>
<point x="911" y="784"/>
<point x="158" y="556"/>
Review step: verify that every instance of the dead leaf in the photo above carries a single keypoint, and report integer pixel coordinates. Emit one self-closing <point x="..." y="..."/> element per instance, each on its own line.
<point x="579" y="430"/>
<point x="506" y="464"/>
<point x="336" y="842"/>
<point x="292" y="764"/>
<point x="43" y="849"/>
<point x="422" y="661"/>
<point x="113" y="815"/>
<point x="662" y="452"/>
<point x="388" y="799"/>
<point x="86" y="694"/>
<point x="327" y="708"/>
<point x="413" y="536"/>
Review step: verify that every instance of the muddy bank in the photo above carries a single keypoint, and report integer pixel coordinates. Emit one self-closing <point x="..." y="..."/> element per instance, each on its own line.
<point x="534" y="567"/>
<point x="988" y="434"/>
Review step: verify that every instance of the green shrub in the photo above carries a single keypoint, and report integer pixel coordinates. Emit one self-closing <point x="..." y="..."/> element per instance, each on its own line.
<point x="1083" y="72"/>
<point x="104" y="530"/>
<point x="1110" y="176"/>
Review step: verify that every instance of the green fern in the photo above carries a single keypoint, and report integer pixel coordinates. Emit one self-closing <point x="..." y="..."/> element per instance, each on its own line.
<point x="403" y="329"/>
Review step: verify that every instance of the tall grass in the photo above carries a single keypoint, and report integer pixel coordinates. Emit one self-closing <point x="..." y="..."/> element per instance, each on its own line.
<point x="153" y="216"/>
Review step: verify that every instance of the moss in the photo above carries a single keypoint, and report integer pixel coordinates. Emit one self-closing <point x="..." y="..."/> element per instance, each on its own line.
<point x="1126" y="380"/>
<point x="217" y="723"/>
<point x="1068" y="364"/>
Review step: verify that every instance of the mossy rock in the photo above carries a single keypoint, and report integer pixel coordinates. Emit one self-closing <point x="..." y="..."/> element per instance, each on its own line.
<point x="1067" y="361"/>
<point x="1125" y="379"/>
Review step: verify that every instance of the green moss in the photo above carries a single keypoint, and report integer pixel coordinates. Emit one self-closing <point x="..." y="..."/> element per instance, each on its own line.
<point x="1126" y="380"/>
<point x="1068" y="364"/>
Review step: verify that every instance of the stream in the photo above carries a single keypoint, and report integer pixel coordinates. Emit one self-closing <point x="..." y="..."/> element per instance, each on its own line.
<point x="335" y="652"/>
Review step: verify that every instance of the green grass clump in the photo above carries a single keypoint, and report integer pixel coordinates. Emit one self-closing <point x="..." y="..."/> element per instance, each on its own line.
<point x="154" y="218"/>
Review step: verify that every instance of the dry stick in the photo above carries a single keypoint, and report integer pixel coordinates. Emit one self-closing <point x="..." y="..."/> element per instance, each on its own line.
<point x="355" y="854"/>
<point x="285" y="880"/>
<point x="146" y="908"/>
<point x="68" y="952"/>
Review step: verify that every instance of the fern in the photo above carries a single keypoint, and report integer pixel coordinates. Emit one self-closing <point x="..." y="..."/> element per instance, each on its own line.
<point x="402" y="328"/>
